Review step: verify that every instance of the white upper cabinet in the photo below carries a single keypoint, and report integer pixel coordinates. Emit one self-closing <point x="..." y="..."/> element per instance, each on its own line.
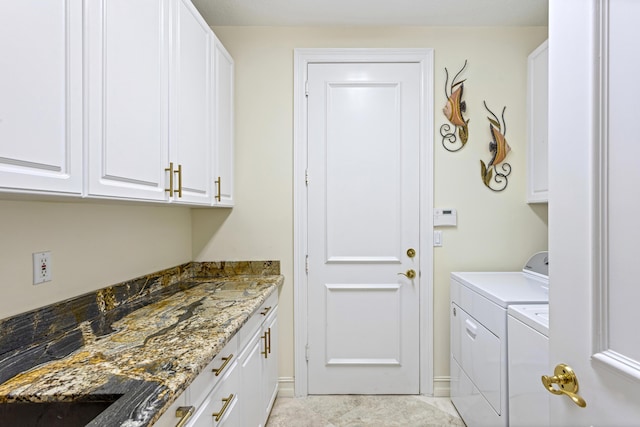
<point x="191" y="138"/>
<point x="147" y="124"/>
<point x="223" y="157"/>
<point x="41" y="96"/>
<point x="128" y="63"/>
<point x="538" y="135"/>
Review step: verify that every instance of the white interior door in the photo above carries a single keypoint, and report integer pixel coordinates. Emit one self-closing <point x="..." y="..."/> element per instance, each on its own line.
<point x="363" y="217"/>
<point x="593" y="208"/>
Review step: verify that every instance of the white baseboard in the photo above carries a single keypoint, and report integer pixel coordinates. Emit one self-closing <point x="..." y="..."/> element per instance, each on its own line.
<point x="442" y="386"/>
<point x="285" y="387"/>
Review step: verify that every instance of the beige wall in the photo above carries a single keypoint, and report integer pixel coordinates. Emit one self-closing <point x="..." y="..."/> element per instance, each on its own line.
<point x="93" y="245"/>
<point x="98" y="244"/>
<point x="496" y="231"/>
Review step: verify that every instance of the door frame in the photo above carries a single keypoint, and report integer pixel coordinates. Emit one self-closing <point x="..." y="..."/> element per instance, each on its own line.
<point x="302" y="58"/>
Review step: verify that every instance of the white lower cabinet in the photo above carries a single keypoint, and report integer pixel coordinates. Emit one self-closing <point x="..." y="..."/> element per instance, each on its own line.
<point x="238" y="388"/>
<point x="221" y="406"/>
<point x="270" y="366"/>
<point x="250" y="377"/>
<point x="206" y="397"/>
<point x="259" y="364"/>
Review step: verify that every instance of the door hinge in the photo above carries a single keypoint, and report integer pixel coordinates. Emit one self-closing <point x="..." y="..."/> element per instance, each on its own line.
<point x="306" y="352"/>
<point x="306" y="177"/>
<point x="306" y="264"/>
<point x="306" y="88"/>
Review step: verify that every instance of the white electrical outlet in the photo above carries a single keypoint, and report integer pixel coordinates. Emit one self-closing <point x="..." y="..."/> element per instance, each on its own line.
<point x="42" y="267"/>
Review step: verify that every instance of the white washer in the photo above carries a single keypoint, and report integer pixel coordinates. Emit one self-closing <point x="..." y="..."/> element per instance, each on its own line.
<point x="479" y="302"/>
<point x="528" y="337"/>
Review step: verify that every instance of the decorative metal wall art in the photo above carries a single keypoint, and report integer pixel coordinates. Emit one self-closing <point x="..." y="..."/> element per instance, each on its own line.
<point x="500" y="148"/>
<point x="453" y="110"/>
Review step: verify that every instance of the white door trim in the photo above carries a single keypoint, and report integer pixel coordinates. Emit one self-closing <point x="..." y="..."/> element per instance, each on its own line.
<point x="303" y="57"/>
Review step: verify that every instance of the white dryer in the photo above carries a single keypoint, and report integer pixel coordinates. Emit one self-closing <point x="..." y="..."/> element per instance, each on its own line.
<point x="479" y="303"/>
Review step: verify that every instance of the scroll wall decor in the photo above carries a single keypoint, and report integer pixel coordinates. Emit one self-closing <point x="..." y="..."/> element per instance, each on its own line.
<point x="453" y="111"/>
<point x="495" y="178"/>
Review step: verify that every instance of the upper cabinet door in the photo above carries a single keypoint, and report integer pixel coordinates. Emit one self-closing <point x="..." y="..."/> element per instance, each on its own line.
<point x="127" y="59"/>
<point x="41" y="96"/>
<point x="538" y="133"/>
<point x="223" y="156"/>
<point x="191" y="105"/>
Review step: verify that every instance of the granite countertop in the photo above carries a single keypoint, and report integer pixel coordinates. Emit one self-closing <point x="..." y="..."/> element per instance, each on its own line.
<point x="151" y="354"/>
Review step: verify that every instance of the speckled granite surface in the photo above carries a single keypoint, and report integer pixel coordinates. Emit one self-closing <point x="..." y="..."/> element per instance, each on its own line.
<point x="141" y="342"/>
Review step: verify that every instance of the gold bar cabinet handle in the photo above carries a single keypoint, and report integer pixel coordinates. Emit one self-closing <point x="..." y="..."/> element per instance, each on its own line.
<point x="266" y="347"/>
<point x="218" y="191"/>
<point x="184" y="413"/>
<point x="171" y="172"/>
<point x="227" y="402"/>
<point x="224" y="365"/>
<point x="179" y="172"/>
<point x="265" y="311"/>
<point x="269" y="340"/>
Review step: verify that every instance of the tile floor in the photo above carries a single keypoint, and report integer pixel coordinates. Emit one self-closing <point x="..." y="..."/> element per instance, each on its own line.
<point x="363" y="411"/>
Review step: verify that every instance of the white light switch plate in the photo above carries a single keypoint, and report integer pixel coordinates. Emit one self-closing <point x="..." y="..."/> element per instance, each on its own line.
<point x="437" y="238"/>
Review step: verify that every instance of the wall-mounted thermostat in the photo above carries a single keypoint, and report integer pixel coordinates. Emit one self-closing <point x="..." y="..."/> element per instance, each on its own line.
<point x="445" y="217"/>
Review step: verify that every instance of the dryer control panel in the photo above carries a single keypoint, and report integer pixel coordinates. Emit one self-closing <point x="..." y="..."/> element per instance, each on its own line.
<point x="538" y="264"/>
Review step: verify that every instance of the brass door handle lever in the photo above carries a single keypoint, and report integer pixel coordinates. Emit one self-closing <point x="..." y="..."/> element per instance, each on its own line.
<point x="567" y="381"/>
<point x="410" y="274"/>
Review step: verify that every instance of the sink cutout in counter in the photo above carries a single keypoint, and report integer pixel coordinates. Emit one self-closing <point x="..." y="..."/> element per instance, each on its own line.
<point x="52" y="414"/>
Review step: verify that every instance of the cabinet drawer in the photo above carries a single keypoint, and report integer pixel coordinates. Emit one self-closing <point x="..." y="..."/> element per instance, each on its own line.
<point x="220" y="365"/>
<point x="170" y="418"/>
<point x="256" y="320"/>
<point x="220" y="407"/>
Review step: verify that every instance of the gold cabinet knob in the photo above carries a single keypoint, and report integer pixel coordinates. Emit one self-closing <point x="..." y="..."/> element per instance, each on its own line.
<point x="567" y="381"/>
<point x="410" y="274"/>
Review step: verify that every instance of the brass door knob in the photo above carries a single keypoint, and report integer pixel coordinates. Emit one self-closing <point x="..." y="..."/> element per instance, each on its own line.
<point x="410" y="274"/>
<point x="567" y="382"/>
<point x="411" y="252"/>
